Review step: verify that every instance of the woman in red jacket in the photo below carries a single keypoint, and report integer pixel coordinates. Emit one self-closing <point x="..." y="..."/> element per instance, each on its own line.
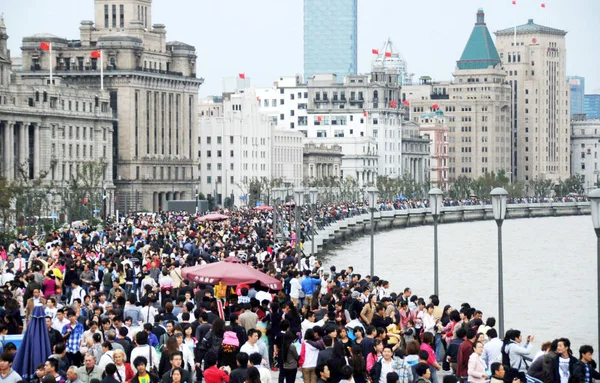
<point x="124" y="372"/>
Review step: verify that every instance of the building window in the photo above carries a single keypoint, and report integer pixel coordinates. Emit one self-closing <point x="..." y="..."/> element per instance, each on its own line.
<point x="114" y="16"/>
<point x="106" y="16"/>
<point x="122" y="15"/>
<point x="208" y="179"/>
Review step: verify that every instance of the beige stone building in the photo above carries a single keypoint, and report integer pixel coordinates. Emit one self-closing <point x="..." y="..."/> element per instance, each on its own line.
<point x="535" y="60"/>
<point x="415" y="152"/>
<point x="476" y="105"/>
<point x="51" y="128"/>
<point x="433" y="126"/>
<point x="153" y="91"/>
<point x="322" y="161"/>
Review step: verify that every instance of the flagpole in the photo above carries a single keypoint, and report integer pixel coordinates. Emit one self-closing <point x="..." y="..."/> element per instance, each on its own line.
<point x="50" y="63"/>
<point x="515" y="27"/>
<point x="101" y="70"/>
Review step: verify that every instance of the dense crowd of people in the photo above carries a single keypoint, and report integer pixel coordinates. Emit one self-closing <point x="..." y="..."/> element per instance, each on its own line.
<point x="118" y="311"/>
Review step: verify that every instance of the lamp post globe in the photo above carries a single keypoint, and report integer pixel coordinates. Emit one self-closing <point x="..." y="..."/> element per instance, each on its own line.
<point x="499" y="203"/>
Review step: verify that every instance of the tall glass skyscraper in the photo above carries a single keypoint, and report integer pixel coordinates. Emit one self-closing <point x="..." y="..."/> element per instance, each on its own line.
<point x="592" y="105"/>
<point x="330" y="35"/>
<point x="577" y="85"/>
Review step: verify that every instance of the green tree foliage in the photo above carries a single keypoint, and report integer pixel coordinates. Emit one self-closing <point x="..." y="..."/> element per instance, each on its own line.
<point x="572" y="184"/>
<point x="83" y="192"/>
<point x="541" y="187"/>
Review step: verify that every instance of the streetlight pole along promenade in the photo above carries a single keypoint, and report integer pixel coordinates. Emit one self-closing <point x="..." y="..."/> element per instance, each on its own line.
<point x="499" y="208"/>
<point x="594" y="198"/>
<point x="372" y="193"/>
<point x="435" y="203"/>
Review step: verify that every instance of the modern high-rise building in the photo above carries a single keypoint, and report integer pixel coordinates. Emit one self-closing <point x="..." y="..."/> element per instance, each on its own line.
<point x="577" y="86"/>
<point x="330" y="37"/>
<point x="153" y="92"/>
<point x="476" y="110"/>
<point x="592" y="105"/>
<point x="536" y="61"/>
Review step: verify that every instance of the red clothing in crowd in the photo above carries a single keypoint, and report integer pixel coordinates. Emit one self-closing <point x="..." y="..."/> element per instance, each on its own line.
<point x="464" y="352"/>
<point x="215" y="375"/>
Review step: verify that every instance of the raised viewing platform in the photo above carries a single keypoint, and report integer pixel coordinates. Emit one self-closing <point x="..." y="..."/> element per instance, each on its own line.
<point x="395" y="219"/>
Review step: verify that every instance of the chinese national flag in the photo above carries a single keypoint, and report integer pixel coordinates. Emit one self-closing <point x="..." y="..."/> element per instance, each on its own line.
<point x="393" y="104"/>
<point x="375" y="51"/>
<point x="257" y="98"/>
<point x="435" y="106"/>
<point x="319" y="118"/>
<point x="406" y="102"/>
<point x="95" y="54"/>
<point x="45" y="46"/>
<point x="365" y="113"/>
<point x="242" y="75"/>
<point x="543" y="5"/>
<point x="514" y="2"/>
<point x="388" y="54"/>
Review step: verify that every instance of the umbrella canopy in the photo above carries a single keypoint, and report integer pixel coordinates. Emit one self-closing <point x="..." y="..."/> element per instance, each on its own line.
<point x="264" y="208"/>
<point x="230" y="274"/>
<point x="213" y="217"/>
<point x="35" y="348"/>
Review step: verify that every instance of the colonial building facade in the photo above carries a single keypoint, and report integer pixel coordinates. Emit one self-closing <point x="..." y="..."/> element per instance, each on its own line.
<point x="49" y="129"/>
<point x="153" y="90"/>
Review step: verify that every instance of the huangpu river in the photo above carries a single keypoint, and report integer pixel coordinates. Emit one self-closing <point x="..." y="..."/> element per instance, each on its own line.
<point x="550" y="271"/>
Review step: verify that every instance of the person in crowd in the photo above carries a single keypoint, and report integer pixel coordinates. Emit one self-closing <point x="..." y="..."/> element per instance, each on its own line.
<point x="515" y="352"/>
<point x="476" y="369"/>
<point x="7" y="374"/>
<point x="89" y="370"/>
<point x="585" y="370"/>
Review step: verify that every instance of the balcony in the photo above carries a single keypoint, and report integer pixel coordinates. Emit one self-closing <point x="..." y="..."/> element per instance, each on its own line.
<point x="339" y="100"/>
<point x="435" y="96"/>
<point x="319" y="100"/>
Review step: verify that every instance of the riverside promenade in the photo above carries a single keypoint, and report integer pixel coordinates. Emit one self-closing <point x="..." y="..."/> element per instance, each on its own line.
<point x="396" y="219"/>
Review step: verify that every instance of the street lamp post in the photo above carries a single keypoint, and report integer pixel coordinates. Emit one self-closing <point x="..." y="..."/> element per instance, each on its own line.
<point x="499" y="208"/>
<point x="196" y="200"/>
<point x="277" y="193"/>
<point x="435" y="203"/>
<point x="313" y="193"/>
<point x="594" y="198"/>
<point x="299" y="199"/>
<point x="372" y="193"/>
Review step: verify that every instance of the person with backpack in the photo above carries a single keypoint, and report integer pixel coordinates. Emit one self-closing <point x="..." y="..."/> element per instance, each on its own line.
<point x="513" y="354"/>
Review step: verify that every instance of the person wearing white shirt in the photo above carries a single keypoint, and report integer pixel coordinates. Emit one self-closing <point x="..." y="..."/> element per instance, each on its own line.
<point x="263" y="296"/>
<point x="6" y="277"/>
<point x="20" y="263"/>
<point x="295" y="288"/>
<point x="309" y="322"/>
<point x="143" y="349"/>
<point x="253" y="346"/>
<point x="255" y="361"/>
<point x="77" y="292"/>
<point x="492" y="350"/>
<point x="60" y="321"/>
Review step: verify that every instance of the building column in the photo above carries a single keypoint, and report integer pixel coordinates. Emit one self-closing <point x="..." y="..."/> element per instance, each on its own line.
<point x="24" y="146"/>
<point x="37" y="153"/>
<point x="9" y="147"/>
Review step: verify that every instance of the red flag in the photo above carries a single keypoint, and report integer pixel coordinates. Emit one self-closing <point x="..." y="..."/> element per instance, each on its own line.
<point x="45" y="46"/>
<point x="406" y="102"/>
<point x="257" y="98"/>
<point x="543" y="5"/>
<point x="435" y="106"/>
<point x="242" y="75"/>
<point x="388" y="54"/>
<point x="95" y="54"/>
<point x="393" y="104"/>
<point x="375" y="51"/>
<point x="319" y="118"/>
<point x="514" y="2"/>
<point x="365" y="113"/>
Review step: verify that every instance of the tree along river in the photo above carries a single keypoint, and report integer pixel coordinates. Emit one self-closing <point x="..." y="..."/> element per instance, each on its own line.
<point x="550" y="280"/>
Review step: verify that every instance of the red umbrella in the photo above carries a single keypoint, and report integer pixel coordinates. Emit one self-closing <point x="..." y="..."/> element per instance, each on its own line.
<point x="213" y="217"/>
<point x="264" y="208"/>
<point x="230" y="274"/>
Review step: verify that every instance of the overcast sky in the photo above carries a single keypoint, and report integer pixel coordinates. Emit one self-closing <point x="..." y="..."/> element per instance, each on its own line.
<point x="263" y="38"/>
